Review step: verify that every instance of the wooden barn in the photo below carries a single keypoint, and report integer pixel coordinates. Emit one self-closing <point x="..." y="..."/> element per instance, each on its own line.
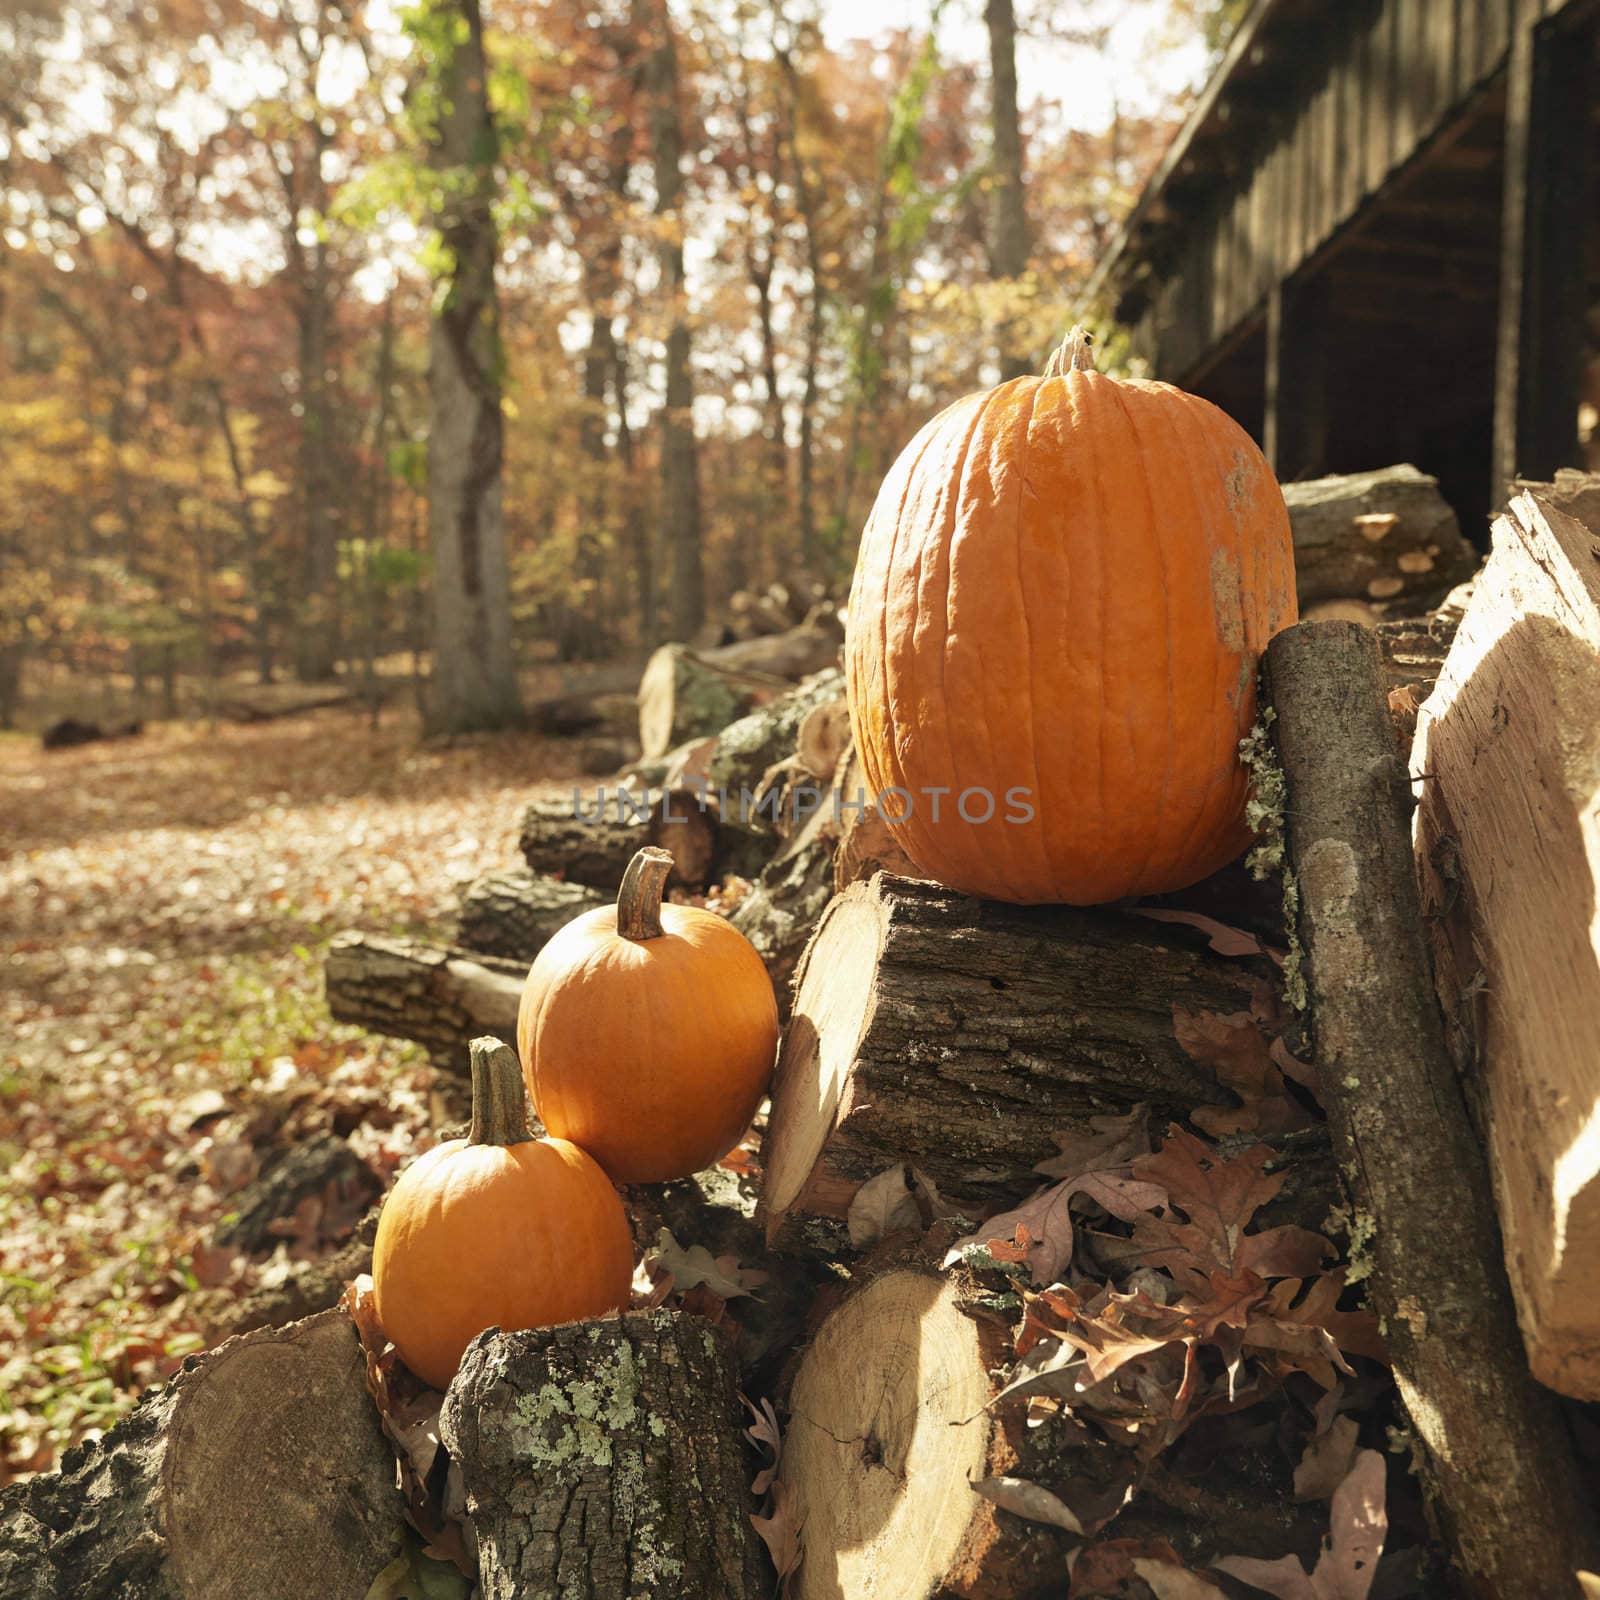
<point x="1375" y="240"/>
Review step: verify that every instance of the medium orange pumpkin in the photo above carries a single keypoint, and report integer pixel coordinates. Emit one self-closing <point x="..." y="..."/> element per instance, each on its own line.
<point x="647" y="1032"/>
<point x="1060" y="601"/>
<point x="497" y="1230"/>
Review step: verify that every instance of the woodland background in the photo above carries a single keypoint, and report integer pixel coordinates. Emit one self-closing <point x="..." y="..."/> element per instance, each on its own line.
<point x="737" y="266"/>
<point x="739" y="256"/>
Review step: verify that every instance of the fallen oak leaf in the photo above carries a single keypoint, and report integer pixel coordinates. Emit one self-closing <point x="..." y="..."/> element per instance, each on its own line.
<point x="1040" y="1230"/>
<point x="780" y="1532"/>
<point x="897" y="1200"/>
<point x="1232" y="1046"/>
<point x="1226" y="941"/>
<point x="693" y="1267"/>
<point x="1349" y="1559"/>
<point x="1111" y="1142"/>
<point x="1029" y="1500"/>
<point x="1328" y="1457"/>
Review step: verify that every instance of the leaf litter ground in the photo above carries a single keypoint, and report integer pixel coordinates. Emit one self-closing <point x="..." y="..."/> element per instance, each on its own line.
<point x="163" y="906"/>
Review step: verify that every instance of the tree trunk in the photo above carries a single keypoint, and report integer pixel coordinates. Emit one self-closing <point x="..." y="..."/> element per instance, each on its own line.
<point x="638" y="539"/>
<point x="959" y="1034"/>
<point x="441" y="997"/>
<point x="1386" y="538"/>
<point x="258" y="1470"/>
<point x="680" y="489"/>
<point x="606" y="1459"/>
<point x="474" y="681"/>
<point x="514" y="913"/>
<point x="1008" y="235"/>
<point x="1497" y="1460"/>
<point x="318" y="641"/>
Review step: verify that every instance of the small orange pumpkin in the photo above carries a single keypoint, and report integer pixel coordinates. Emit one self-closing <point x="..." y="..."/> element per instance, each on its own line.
<point x="497" y="1230"/>
<point x="1060" y="601"/>
<point x="647" y="1032"/>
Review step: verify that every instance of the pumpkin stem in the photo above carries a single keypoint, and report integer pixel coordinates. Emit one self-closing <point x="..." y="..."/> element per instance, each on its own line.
<point x="499" y="1102"/>
<point x="639" y="898"/>
<point x="1074" y="354"/>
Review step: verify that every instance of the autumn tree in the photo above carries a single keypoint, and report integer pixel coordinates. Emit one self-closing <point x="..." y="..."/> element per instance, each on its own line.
<point x="1008" y="228"/>
<point x="680" y="482"/>
<point x="474" y="681"/>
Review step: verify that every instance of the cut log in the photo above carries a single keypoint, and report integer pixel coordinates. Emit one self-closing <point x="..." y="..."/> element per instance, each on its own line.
<point x="781" y="910"/>
<point x="323" y="1167"/>
<point x="687" y="694"/>
<point x="1507" y="764"/>
<point x="891" y="1422"/>
<point x="259" y="1470"/>
<point x="959" y="1034"/>
<point x="589" y="837"/>
<point x="605" y="1459"/>
<point x="308" y="1287"/>
<point x="748" y="749"/>
<point x="513" y="913"/>
<point x="888" y="1430"/>
<point x="682" y="696"/>
<point x="1386" y="537"/>
<point x="439" y="996"/>
<point x="1497" y="1459"/>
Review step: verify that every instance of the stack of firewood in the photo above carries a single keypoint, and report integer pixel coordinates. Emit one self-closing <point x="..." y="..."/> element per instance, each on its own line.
<point x="939" y="1054"/>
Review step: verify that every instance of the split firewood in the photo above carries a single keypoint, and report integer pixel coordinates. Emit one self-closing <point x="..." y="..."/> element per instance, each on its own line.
<point x="259" y="1469"/>
<point x="742" y="764"/>
<point x="1387" y="538"/>
<point x="686" y="694"/>
<point x="514" y="912"/>
<point x="1508" y="843"/>
<point x="1495" y="1451"/>
<point x="590" y="837"/>
<point x="439" y="996"/>
<point x="865" y="844"/>
<point x="961" y="1034"/>
<point x="606" y="1458"/>
<point x="780" y="910"/>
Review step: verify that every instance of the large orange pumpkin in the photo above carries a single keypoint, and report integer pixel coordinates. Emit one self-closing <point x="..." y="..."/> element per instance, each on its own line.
<point x="497" y="1230"/>
<point x="1061" y="598"/>
<point x="647" y="1032"/>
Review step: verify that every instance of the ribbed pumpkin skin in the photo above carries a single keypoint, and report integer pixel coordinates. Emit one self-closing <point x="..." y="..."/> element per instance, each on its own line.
<point x="494" y="1236"/>
<point x="1065" y="587"/>
<point x="651" y="1055"/>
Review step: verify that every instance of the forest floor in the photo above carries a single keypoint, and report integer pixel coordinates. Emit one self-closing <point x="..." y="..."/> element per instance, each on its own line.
<point x="164" y="902"/>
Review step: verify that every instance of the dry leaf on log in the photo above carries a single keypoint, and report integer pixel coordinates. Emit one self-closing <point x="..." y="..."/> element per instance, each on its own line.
<point x="897" y="1200"/>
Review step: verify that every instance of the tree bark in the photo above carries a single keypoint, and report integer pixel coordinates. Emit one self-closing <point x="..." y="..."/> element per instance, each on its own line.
<point x="680" y="488"/>
<point x="323" y="1167"/>
<point x="474" y="681"/>
<point x="605" y="1458"/>
<point x="513" y="913"/>
<point x="1008" y="228"/>
<point x="441" y="997"/>
<point x="1497" y="1460"/>
<point x="1387" y="538"/>
<point x="959" y="1034"/>
<point x="259" y="1469"/>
